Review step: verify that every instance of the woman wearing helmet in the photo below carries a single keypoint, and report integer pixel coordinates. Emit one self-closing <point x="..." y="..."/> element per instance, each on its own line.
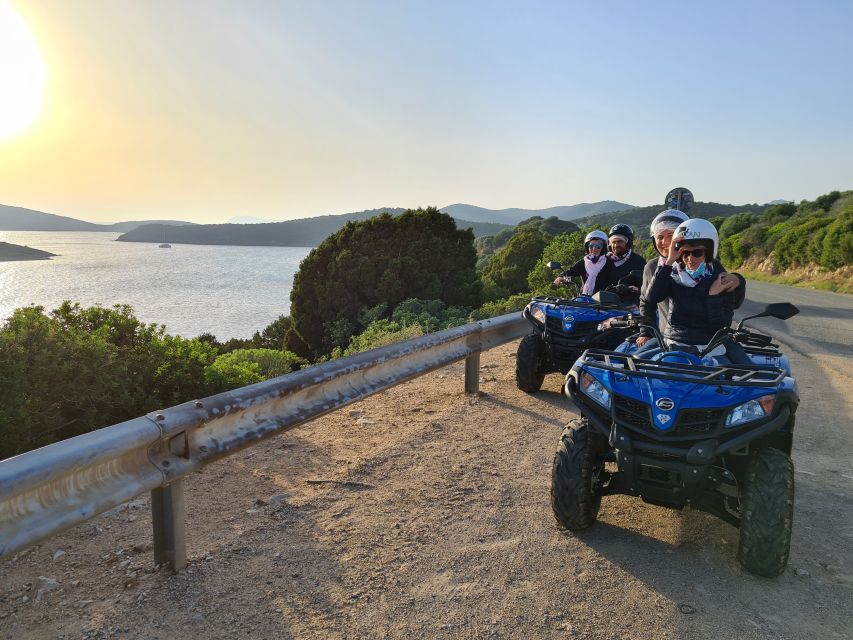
<point x="702" y="298"/>
<point x="621" y="241"/>
<point x="594" y="268"/>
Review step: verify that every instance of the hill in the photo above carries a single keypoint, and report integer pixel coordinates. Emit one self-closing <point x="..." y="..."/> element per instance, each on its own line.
<point x="514" y="216"/>
<point x="304" y="232"/>
<point x="22" y="219"/>
<point x="640" y="217"/>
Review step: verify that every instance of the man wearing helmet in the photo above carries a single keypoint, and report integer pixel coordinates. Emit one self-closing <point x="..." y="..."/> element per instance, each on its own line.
<point x="701" y="296"/>
<point x="621" y="241"/>
<point x="594" y="268"/>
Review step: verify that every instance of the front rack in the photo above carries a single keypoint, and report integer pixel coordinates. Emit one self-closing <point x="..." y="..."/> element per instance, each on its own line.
<point x="625" y="306"/>
<point x="728" y="375"/>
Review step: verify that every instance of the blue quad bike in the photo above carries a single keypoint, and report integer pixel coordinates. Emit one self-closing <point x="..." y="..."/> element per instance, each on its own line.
<point x="563" y="328"/>
<point x="679" y="428"/>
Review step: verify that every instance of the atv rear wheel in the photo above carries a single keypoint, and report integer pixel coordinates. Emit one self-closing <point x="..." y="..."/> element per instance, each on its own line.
<point x="528" y="363"/>
<point x="767" y="513"/>
<point x="578" y="464"/>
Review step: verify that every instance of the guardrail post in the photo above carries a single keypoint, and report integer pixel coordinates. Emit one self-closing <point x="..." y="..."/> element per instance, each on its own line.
<point x="168" y="518"/>
<point x="472" y="373"/>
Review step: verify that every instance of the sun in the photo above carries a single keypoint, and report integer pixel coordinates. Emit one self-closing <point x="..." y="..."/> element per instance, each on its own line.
<point x="22" y="74"/>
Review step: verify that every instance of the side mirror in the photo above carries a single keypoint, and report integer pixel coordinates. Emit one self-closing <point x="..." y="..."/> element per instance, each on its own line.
<point x="637" y="274"/>
<point x="554" y="265"/>
<point x="781" y="310"/>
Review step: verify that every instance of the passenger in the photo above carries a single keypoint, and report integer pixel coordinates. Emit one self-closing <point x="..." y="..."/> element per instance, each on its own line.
<point x="660" y="230"/>
<point x="594" y="268"/>
<point x="621" y="241"/>
<point x="702" y="298"/>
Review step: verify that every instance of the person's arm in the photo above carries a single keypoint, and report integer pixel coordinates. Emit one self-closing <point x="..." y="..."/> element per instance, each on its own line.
<point x="660" y="285"/>
<point x="720" y="305"/>
<point x="577" y="269"/>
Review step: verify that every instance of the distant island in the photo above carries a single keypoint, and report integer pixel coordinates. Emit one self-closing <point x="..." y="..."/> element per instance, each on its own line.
<point x="11" y="252"/>
<point x="305" y="232"/>
<point x="310" y="232"/>
<point x="22" y="219"/>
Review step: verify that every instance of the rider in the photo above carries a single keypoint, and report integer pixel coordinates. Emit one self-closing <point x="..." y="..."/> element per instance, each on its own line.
<point x="702" y="298"/>
<point x="594" y="268"/>
<point x="661" y="230"/>
<point x="621" y="241"/>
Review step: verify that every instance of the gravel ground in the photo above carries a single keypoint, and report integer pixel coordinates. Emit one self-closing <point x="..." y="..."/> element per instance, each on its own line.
<point x="425" y="512"/>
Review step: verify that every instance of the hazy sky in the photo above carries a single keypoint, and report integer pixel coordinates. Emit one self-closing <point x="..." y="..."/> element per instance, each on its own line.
<point x="206" y="110"/>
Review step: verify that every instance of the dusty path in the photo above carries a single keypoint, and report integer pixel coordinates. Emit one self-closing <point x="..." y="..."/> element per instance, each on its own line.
<point x="422" y="512"/>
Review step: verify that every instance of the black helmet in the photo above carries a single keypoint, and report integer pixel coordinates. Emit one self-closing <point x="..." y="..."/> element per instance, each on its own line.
<point x="622" y="230"/>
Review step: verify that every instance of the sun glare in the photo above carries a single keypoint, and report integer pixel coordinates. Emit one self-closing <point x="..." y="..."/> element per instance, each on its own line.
<point x="22" y="74"/>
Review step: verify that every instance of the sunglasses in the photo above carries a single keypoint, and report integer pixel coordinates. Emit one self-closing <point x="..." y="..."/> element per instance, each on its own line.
<point x="696" y="253"/>
<point x="596" y="246"/>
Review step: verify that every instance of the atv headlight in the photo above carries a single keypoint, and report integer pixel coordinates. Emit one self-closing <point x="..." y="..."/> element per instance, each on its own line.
<point x="752" y="410"/>
<point x="595" y="390"/>
<point x="538" y="313"/>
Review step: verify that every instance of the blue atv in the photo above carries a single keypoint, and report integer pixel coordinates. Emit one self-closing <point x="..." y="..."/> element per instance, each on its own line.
<point x="679" y="428"/>
<point x="563" y="328"/>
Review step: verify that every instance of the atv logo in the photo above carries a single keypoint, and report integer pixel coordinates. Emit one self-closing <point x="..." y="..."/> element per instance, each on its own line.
<point x="568" y="318"/>
<point x="665" y="404"/>
<point x="663" y="418"/>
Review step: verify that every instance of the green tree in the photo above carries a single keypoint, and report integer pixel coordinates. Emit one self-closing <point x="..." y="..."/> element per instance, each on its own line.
<point x="565" y="249"/>
<point x="420" y="254"/>
<point x="837" y="241"/>
<point x="509" y="268"/>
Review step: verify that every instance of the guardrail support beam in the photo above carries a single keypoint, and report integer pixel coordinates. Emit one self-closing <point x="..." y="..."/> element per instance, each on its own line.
<point x="472" y="373"/>
<point x="169" y="518"/>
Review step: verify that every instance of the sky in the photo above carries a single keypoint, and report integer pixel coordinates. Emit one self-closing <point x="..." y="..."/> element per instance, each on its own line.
<point x="205" y="110"/>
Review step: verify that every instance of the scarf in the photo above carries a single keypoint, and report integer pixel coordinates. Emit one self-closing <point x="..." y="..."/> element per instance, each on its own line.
<point x="683" y="277"/>
<point x="593" y="266"/>
<point x="617" y="261"/>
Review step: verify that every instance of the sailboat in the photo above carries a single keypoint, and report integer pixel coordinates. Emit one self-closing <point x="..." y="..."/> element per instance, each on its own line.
<point x="165" y="244"/>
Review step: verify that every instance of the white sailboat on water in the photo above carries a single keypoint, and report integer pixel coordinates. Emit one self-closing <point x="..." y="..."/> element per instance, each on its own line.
<point x="165" y="244"/>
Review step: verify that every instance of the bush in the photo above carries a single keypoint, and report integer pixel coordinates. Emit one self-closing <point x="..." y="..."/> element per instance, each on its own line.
<point x="791" y="248"/>
<point x="429" y="315"/>
<point x="380" y="334"/>
<point x="248" y="366"/>
<point x="501" y="307"/>
<point x="837" y="241"/>
<point x="78" y="369"/>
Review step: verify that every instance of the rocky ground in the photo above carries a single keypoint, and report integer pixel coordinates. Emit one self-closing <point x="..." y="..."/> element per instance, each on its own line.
<point x="425" y="512"/>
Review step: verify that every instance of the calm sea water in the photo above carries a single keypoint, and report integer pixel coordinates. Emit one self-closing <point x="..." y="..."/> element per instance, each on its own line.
<point x="228" y="291"/>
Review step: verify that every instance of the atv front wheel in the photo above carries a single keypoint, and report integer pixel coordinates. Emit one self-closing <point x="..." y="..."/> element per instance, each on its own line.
<point x="528" y="363"/>
<point x="767" y="513"/>
<point x="578" y="464"/>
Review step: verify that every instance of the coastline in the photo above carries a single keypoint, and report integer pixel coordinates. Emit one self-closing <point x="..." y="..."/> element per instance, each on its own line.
<point x="15" y="252"/>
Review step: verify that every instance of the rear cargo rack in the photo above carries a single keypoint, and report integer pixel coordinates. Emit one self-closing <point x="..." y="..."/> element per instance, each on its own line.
<point x="729" y="375"/>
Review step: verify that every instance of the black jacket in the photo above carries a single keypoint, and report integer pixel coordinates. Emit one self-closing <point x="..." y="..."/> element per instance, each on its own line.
<point x="602" y="280"/>
<point x="694" y="315"/>
<point x="634" y="263"/>
<point x="648" y="309"/>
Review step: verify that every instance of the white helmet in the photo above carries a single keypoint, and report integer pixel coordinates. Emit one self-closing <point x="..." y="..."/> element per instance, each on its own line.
<point x="595" y="235"/>
<point x="698" y="231"/>
<point x="669" y="219"/>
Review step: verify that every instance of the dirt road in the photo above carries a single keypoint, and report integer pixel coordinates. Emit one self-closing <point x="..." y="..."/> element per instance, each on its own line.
<point x="422" y="512"/>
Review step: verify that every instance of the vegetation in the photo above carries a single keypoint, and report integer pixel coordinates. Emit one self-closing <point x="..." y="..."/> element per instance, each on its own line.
<point x="367" y="268"/>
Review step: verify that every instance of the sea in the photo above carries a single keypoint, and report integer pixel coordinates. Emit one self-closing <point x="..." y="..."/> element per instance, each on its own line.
<point x="228" y="291"/>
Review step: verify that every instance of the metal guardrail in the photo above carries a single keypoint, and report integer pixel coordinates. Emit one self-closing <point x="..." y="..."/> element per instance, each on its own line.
<point x="50" y="489"/>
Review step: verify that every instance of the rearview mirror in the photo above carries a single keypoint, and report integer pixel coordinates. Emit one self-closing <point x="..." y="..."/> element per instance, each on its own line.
<point x="637" y="274"/>
<point x="554" y="265"/>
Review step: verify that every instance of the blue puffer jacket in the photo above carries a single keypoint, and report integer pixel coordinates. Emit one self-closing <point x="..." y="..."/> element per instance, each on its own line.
<point x="694" y="315"/>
